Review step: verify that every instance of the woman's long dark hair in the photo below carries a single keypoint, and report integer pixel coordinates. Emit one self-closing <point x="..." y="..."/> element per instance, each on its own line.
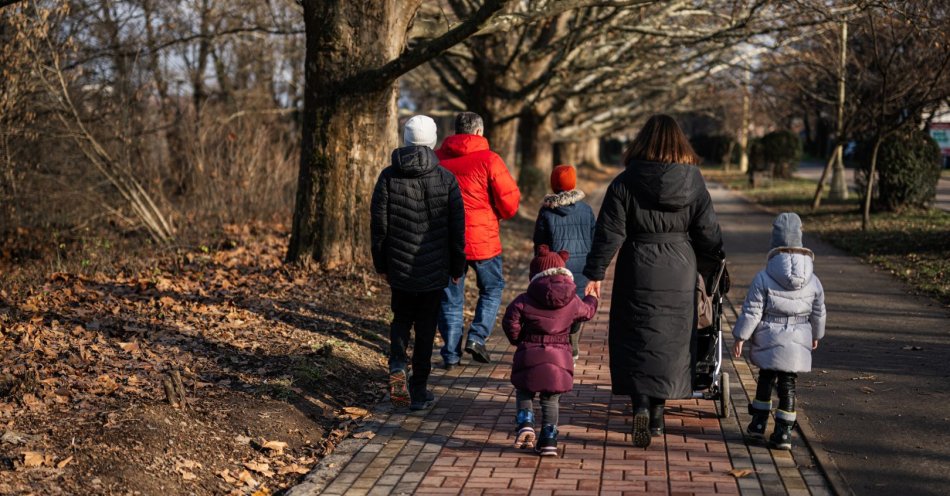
<point x="661" y="140"/>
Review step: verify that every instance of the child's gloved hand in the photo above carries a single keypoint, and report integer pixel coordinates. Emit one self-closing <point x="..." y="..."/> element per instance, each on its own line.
<point x="737" y="348"/>
<point x="814" y="344"/>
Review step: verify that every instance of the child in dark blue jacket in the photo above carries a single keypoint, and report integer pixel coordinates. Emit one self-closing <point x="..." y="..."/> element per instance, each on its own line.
<point x="566" y="223"/>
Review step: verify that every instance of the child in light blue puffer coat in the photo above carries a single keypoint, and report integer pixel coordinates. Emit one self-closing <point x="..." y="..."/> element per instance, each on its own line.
<point x="783" y="318"/>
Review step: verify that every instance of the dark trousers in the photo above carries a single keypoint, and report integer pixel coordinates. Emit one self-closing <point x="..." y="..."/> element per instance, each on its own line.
<point x="786" y="388"/>
<point x="549" y="405"/>
<point x="422" y="311"/>
<point x="644" y="401"/>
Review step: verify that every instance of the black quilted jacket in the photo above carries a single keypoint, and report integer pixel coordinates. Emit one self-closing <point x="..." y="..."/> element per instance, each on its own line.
<point x="418" y="222"/>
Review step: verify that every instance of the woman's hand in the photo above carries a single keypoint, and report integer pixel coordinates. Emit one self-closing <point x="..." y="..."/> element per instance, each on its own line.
<point x="593" y="289"/>
<point x="814" y="344"/>
<point x="737" y="348"/>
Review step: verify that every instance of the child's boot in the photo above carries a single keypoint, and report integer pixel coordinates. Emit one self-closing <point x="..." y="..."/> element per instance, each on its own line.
<point x="782" y="436"/>
<point x="760" y="418"/>
<point x="524" y="433"/>
<point x="547" y="444"/>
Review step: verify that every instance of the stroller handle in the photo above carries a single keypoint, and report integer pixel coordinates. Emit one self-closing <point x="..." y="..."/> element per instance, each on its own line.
<point x="715" y="285"/>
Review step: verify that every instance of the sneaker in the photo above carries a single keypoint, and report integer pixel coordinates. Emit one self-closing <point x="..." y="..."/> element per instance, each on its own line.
<point x="446" y="366"/>
<point x="547" y="444"/>
<point x="398" y="391"/>
<point x="421" y="401"/>
<point x="641" y="428"/>
<point x="524" y="433"/>
<point x="478" y="352"/>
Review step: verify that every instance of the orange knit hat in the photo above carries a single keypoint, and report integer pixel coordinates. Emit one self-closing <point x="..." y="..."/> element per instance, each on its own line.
<point x="563" y="178"/>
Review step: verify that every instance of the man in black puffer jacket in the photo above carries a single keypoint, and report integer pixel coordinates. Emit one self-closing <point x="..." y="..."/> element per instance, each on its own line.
<point x="418" y="238"/>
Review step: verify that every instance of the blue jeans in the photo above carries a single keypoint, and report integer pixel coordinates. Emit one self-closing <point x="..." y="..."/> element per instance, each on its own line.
<point x="491" y="283"/>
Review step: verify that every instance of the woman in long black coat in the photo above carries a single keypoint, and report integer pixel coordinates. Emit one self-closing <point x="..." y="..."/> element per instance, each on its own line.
<point x="660" y="216"/>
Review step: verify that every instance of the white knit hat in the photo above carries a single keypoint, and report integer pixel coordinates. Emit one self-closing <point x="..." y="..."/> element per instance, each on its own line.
<point x="420" y="131"/>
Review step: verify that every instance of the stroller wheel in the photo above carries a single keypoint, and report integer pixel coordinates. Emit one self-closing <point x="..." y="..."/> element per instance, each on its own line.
<point x="725" y="400"/>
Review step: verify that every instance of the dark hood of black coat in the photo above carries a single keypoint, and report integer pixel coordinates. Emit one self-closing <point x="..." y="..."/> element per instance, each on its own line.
<point x="414" y="161"/>
<point x="670" y="187"/>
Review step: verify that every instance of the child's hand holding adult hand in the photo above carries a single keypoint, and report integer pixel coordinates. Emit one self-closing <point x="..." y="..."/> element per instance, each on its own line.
<point x="737" y="348"/>
<point x="592" y="289"/>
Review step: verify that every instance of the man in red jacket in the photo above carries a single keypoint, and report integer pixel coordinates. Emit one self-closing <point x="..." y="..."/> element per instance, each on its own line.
<point x="489" y="194"/>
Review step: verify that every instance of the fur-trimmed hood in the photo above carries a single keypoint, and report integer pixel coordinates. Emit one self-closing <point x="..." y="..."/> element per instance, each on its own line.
<point x="791" y="267"/>
<point x="563" y="199"/>
<point x="553" y="288"/>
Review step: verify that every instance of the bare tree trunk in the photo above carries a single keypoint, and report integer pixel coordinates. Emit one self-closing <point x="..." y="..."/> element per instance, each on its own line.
<point x="816" y="200"/>
<point x="537" y="152"/>
<point x="347" y="132"/>
<point x="744" y="131"/>
<point x="866" y="213"/>
<point x="839" y="185"/>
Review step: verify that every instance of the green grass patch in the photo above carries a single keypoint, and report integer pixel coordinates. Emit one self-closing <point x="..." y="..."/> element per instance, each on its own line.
<point x="914" y="244"/>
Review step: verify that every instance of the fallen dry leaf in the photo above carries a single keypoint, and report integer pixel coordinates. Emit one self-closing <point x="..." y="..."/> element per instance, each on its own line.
<point x="276" y="446"/>
<point x="355" y="411"/>
<point x="260" y="468"/>
<point x="32" y="459"/>
<point x="131" y="347"/>
<point x="62" y="463"/>
<point x="226" y="475"/>
<point x="364" y="435"/>
<point x="740" y="472"/>
<point x="293" y="468"/>
<point x="188" y="476"/>
<point x="246" y="478"/>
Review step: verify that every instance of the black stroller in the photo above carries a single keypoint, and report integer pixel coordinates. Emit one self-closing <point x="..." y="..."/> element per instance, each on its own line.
<point x="709" y="381"/>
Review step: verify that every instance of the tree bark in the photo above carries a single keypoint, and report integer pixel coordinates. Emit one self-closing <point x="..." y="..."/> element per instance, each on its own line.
<point x="347" y="132"/>
<point x="866" y="213"/>
<point x="536" y="132"/>
<point x="744" y="132"/>
<point x="816" y="200"/>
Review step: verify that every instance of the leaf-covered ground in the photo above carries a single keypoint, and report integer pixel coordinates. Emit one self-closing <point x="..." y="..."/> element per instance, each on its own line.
<point x="278" y="364"/>
<point x="266" y="354"/>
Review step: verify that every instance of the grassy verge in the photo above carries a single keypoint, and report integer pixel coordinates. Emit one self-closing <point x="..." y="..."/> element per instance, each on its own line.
<point x="914" y="245"/>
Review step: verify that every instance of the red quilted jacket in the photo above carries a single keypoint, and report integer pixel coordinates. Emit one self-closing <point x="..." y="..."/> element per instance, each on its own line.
<point x="488" y="191"/>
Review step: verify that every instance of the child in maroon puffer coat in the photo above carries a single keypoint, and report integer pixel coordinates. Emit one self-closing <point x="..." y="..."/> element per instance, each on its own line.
<point x="539" y="323"/>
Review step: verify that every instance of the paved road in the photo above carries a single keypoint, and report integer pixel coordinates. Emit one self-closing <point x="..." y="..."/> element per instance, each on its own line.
<point x="812" y="170"/>
<point x="880" y="393"/>
<point x="463" y="444"/>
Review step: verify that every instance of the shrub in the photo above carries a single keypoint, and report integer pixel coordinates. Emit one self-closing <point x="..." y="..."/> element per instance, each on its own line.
<point x="908" y="169"/>
<point x="713" y="148"/>
<point x="781" y="152"/>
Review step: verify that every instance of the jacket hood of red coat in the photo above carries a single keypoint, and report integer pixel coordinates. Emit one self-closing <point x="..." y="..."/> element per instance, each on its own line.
<point x="555" y="291"/>
<point x="459" y="145"/>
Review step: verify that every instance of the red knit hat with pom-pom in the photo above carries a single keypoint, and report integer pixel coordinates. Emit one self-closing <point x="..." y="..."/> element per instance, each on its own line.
<point x="547" y="259"/>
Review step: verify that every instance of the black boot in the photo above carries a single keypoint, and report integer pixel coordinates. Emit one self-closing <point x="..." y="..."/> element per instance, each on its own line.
<point x="781" y="438"/>
<point x="760" y="419"/>
<point x="547" y="443"/>
<point x="478" y="351"/>
<point x="657" y="425"/>
<point x="421" y="398"/>
<point x="640" y="432"/>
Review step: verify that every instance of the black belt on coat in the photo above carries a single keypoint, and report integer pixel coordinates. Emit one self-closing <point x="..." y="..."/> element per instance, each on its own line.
<point x="660" y="238"/>
<point x="547" y="338"/>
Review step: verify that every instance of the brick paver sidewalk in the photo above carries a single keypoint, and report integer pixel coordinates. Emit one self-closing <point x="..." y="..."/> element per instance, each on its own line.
<point x="464" y="443"/>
